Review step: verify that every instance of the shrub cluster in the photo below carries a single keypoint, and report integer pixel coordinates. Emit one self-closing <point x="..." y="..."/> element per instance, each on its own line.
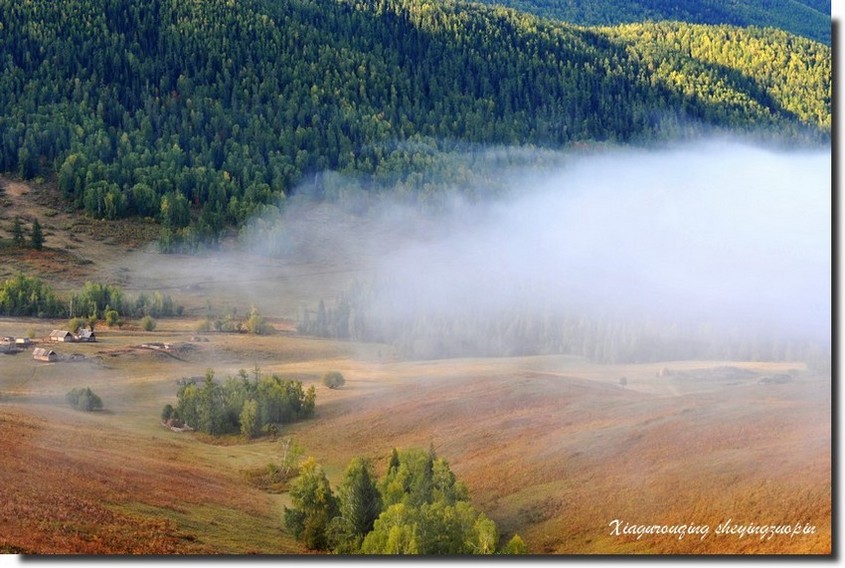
<point x="333" y="379"/>
<point x="254" y="323"/>
<point x="84" y="399"/>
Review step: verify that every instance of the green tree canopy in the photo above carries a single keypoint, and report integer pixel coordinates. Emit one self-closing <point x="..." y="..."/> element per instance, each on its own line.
<point x="314" y="506"/>
<point x="84" y="399"/>
<point x="417" y="508"/>
<point x="242" y="404"/>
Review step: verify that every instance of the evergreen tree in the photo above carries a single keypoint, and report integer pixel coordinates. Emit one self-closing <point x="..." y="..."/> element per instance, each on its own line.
<point x="441" y="521"/>
<point x="359" y="504"/>
<point x="37" y="236"/>
<point x="17" y="232"/>
<point x="393" y="464"/>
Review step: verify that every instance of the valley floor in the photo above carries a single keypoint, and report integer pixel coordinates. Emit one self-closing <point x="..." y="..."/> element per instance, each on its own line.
<point x="554" y="448"/>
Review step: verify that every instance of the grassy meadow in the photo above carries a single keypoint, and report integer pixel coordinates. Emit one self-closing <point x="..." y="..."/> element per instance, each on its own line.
<point x="551" y="447"/>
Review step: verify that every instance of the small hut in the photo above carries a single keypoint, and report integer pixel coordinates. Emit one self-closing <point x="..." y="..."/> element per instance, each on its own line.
<point x="61" y="335"/>
<point x="43" y="354"/>
<point x="86" y="336"/>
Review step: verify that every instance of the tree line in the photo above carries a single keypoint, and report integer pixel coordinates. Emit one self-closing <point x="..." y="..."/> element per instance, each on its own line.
<point x="23" y="295"/>
<point x="418" y="507"/>
<point x="770" y="71"/>
<point x="201" y="114"/>
<point x="437" y="334"/>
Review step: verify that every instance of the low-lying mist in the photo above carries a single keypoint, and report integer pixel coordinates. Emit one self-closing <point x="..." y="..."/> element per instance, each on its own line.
<point x="714" y="249"/>
<point x="719" y="233"/>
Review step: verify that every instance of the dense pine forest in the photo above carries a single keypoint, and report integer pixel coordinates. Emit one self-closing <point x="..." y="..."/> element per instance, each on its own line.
<point x="198" y="114"/>
<point x="808" y="18"/>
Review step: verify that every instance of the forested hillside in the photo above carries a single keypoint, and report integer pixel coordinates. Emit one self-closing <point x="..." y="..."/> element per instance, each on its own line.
<point x="739" y="72"/>
<point x="808" y="18"/>
<point x="199" y="113"/>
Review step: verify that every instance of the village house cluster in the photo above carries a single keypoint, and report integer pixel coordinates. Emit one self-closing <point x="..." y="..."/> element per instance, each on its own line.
<point x="13" y="345"/>
<point x="64" y="336"/>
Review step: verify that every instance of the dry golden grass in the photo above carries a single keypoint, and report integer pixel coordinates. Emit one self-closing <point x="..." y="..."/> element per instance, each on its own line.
<point x="77" y="483"/>
<point x="556" y="457"/>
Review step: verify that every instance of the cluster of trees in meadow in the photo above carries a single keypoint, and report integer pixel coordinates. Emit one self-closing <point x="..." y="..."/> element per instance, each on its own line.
<point x="254" y="323"/>
<point x="430" y="334"/>
<point x="23" y="295"/>
<point x="201" y="114"/>
<point x="241" y="404"/>
<point x="418" y="507"/>
<point x="97" y="300"/>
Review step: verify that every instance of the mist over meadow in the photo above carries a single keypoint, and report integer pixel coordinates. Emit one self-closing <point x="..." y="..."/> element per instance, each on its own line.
<point x="720" y="232"/>
<point x="711" y="249"/>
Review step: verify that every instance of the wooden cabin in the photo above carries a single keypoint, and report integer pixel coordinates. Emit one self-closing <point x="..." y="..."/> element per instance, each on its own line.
<point x="61" y="335"/>
<point x="86" y="336"/>
<point x="44" y="354"/>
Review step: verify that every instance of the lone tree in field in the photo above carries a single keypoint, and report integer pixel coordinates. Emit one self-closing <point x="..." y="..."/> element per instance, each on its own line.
<point x="17" y="232"/>
<point x="37" y="238"/>
<point x="84" y="399"/>
<point x="112" y="318"/>
<point x="333" y="379"/>
<point x="148" y="323"/>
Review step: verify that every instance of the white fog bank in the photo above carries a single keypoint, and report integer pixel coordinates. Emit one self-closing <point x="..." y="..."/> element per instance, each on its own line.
<point x="718" y="232"/>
